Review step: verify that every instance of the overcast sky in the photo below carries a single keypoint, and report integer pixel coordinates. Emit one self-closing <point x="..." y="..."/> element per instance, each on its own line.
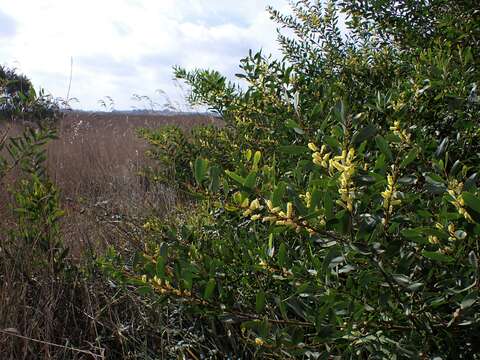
<point x="125" y="47"/>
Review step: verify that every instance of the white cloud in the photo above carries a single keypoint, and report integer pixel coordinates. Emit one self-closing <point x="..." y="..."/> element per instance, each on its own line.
<point x="121" y="47"/>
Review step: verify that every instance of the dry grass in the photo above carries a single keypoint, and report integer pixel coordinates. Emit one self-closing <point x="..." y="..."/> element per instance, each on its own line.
<point x="96" y="163"/>
<point x="78" y="313"/>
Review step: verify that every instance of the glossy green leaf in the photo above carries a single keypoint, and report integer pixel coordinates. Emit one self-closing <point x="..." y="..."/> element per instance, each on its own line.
<point x="260" y="301"/>
<point x="437" y="256"/>
<point x="383" y="147"/>
<point x="207" y="294"/>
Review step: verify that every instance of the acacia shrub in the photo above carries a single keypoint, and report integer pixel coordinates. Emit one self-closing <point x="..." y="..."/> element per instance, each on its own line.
<point x="340" y="217"/>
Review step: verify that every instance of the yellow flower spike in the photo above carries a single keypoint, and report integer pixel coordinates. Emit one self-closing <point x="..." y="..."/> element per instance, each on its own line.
<point x="350" y="206"/>
<point x="467" y="216"/>
<point x="390" y="195"/>
<point x="335" y="164"/>
<point x="386" y="194"/>
<point x="323" y="148"/>
<point x="308" y="199"/>
<point x="289" y="210"/>
<point x="451" y="228"/>
<point x="255" y="217"/>
<point x="247" y="212"/>
<point x="433" y="239"/>
<point x="351" y="154"/>
<point x="245" y="203"/>
<point x="254" y="205"/>
<point x="276" y="210"/>
<point x="269" y="204"/>
<point x="259" y="341"/>
<point x="316" y="155"/>
<point x="312" y="147"/>
<point x="269" y="218"/>
<point x="390" y="180"/>
<point x="317" y="158"/>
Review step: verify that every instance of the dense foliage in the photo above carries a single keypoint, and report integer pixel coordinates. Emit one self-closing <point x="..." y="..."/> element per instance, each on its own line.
<point x="35" y="198"/>
<point x="337" y="211"/>
<point x="20" y="102"/>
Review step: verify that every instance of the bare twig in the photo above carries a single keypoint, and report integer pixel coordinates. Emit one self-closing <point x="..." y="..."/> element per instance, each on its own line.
<point x="11" y="332"/>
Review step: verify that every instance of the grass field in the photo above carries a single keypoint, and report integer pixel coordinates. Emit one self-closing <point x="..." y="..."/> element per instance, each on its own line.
<point x="96" y="163"/>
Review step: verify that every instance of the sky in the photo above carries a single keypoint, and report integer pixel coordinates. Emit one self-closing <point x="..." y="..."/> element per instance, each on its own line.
<point x="123" y="47"/>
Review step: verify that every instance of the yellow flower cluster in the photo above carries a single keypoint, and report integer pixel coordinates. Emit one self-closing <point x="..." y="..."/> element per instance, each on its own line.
<point x="320" y="158"/>
<point x="307" y="198"/>
<point x="344" y="164"/>
<point x="433" y="240"/>
<point x="259" y="341"/>
<point x="282" y="218"/>
<point x="279" y="216"/>
<point x="164" y="287"/>
<point x="390" y="195"/>
<point x="455" y="189"/>
<point x="452" y="231"/>
<point x="401" y="133"/>
<point x="250" y="208"/>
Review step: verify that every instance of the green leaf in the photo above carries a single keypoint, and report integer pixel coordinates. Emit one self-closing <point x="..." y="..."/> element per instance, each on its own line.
<point x="207" y="294"/>
<point x="383" y="147"/>
<point x="332" y="142"/>
<point x="441" y="148"/>
<point x="144" y="290"/>
<point x="471" y="201"/>
<point x="328" y="205"/>
<point x="411" y="156"/>
<point x="296" y="127"/>
<point x="239" y="179"/>
<point x="364" y="134"/>
<point x="469" y="300"/>
<point x="278" y="193"/>
<point x="282" y="254"/>
<point x="435" y="184"/>
<point x="293" y="149"/>
<point x="437" y="256"/>
<point x="455" y="168"/>
<point x="200" y="169"/>
<point x="256" y="159"/>
<point x="402" y="279"/>
<point x="407" y="180"/>
<point x="250" y="180"/>
<point x="160" y="268"/>
<point x="214" y="173"/>
<point x="470" y="183"/>
<point x="260" y="301"/>
<point x="415" y="235"/>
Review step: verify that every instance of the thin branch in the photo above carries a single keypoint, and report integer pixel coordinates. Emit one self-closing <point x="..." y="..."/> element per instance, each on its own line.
<point x="11" y="332"/>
